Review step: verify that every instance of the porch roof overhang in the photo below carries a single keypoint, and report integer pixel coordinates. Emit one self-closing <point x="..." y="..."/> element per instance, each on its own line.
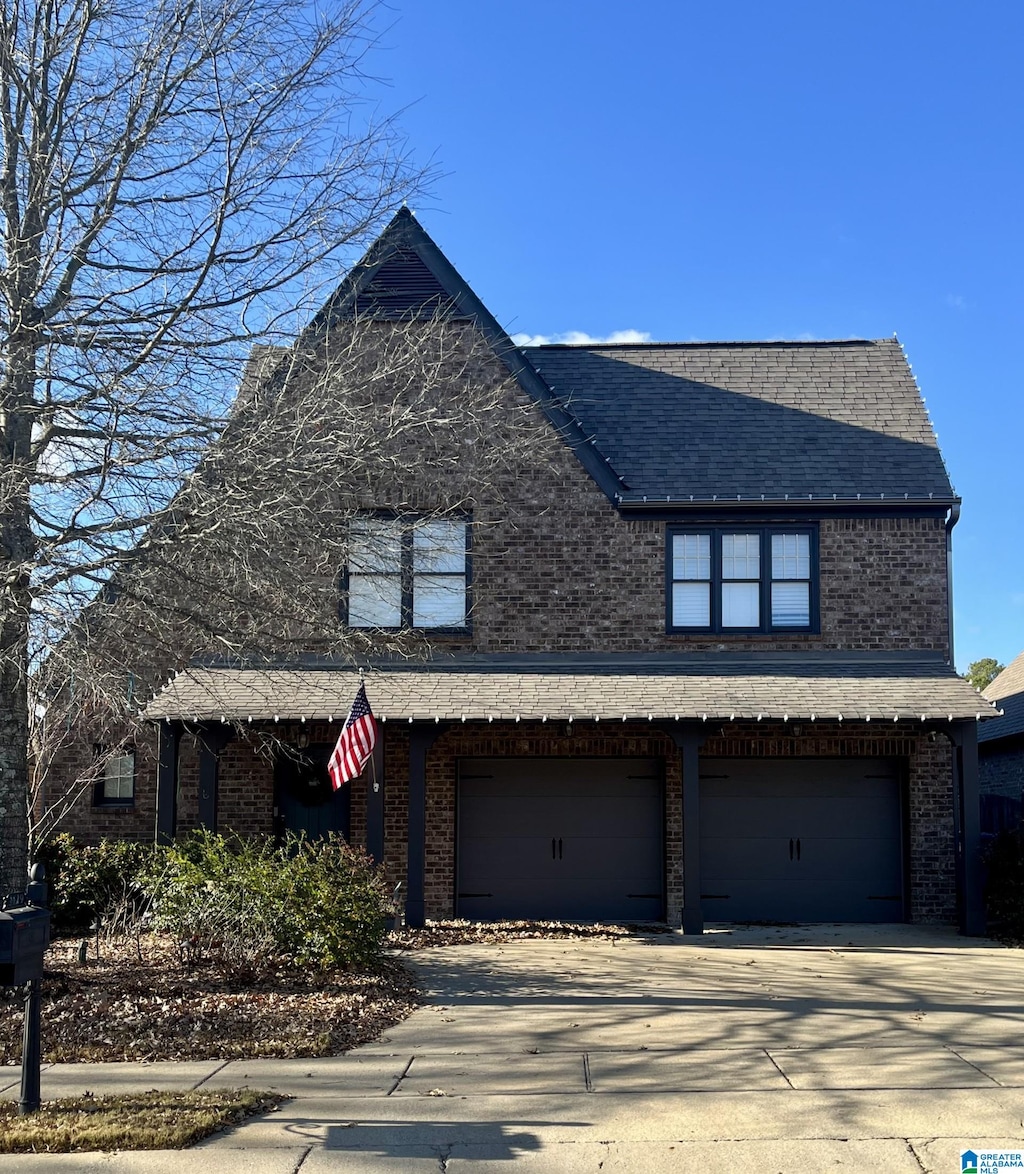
<point x="859" y="687"/>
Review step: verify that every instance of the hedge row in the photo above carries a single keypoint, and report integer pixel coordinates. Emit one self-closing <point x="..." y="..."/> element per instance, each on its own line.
<point x="246" y="902"/>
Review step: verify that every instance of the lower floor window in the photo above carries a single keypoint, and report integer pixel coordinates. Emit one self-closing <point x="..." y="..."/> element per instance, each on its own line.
<point x="116" y="784"/>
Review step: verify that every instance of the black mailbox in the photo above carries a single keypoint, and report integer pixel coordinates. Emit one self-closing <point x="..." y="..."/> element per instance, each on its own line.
<point x="24" y="936"/>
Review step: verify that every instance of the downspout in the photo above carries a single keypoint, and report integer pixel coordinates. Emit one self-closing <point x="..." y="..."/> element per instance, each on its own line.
<point x="951" y="521"/>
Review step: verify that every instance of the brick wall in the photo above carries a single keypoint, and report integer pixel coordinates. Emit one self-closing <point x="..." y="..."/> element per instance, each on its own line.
<point x="72" y="774"/>
<point x="247" y="779"/>
<point x="581" y="578"/>
<point x="245" y="791"/>
<point x="928" y="766"/>
<point x="555" y="568"/>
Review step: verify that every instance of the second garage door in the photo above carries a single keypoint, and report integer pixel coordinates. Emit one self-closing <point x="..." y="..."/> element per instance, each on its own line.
<point x="572" y="839"/>
<point x="801" y="840"/>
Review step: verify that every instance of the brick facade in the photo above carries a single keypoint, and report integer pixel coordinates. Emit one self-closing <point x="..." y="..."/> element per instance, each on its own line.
<point x="72" y="776"/>
<point x="557" y="568"/>
<point x="560" y="570"/>
<point x="927" y="763"/>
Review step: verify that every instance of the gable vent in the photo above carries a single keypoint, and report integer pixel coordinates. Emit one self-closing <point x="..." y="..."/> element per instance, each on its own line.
<point x="402" y="287"/>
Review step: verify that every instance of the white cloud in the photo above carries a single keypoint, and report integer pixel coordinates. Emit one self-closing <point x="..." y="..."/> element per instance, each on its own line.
<point x="580" y="338"/>
<point x="956" y="301"/>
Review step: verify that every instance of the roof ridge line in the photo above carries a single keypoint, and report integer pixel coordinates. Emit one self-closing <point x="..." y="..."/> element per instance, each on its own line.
<point x="694" y="343"/>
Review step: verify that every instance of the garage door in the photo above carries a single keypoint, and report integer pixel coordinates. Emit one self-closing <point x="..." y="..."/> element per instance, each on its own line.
<point x="804" y="840"/>
<point x="575" y="839"/>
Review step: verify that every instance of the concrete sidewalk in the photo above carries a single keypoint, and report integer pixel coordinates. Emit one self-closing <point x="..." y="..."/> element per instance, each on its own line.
<point x="814" y="1048"/>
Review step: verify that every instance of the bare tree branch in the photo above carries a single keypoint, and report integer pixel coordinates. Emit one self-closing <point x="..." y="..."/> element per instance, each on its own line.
<point x="179" y="178"/>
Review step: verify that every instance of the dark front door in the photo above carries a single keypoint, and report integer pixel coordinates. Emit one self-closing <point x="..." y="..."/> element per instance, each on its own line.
<point x="801" y="840"/>
<point x="574" y="838"/>
<point x="305" y="801"/>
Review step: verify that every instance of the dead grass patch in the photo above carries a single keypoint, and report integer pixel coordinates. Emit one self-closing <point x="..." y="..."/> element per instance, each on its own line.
<point x="141" y="1121"/>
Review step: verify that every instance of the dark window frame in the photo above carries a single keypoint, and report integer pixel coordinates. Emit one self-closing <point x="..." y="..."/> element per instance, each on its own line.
<point x="765" y="580"/>
<point x="104" y="756"/>
<point x="408" y="575"/>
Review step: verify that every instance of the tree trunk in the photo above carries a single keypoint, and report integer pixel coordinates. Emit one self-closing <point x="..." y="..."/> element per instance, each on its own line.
<point x="14" y="738"/>
<point x="17" y="546"/>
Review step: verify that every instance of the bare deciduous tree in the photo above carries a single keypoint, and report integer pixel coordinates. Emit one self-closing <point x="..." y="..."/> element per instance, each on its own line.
<point x="176" y="179"/>
<point x="417" y="418"/>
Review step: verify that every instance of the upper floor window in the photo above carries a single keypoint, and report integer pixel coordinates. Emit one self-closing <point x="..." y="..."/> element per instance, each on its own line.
<point x="742" y="579"/>
<point x="408" y="573"/>
<point x="116" y="784"/>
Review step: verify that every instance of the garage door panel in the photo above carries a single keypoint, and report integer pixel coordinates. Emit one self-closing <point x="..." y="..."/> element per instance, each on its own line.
<point x="496" y="817"/>
<point x="812" y="840"/>
<point x="563" y="839"/>
<point x="574" y="901"/>
<point x="637" y="814"/>
<point x="496" y="857"/>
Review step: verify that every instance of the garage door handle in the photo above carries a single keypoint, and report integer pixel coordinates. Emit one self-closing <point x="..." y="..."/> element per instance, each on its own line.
<point x="559" y="847"/>
<point x="791" y="849"/>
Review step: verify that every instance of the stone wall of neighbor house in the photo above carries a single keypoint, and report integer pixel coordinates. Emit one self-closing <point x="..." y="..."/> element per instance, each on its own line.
<point x="927" y="762"/>
<point x="1001" y="769"/>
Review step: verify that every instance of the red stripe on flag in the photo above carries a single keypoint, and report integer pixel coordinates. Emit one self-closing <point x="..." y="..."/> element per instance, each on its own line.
<point x="355" y="743"/>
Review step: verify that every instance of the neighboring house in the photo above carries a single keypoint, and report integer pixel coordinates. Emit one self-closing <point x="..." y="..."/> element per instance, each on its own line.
<point x="1001" y="751"/>
<point x="696" y="667"/>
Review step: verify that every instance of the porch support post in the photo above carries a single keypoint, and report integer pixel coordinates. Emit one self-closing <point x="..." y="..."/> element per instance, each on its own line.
<point x="967" y="805"/>
<point x="375" y="803"/>
<point x="421" y="738"/>
<point x="212" y="740"/>
<point x="168" y="741"/>
<point x="689" y="739"/>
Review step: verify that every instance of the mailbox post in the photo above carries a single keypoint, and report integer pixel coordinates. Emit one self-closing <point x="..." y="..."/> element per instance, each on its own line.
<point x="24" y="936"/>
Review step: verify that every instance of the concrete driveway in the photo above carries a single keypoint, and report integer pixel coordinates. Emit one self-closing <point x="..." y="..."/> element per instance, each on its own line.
<point x="762" y="1049"/>
<point x="767" y="1049"/>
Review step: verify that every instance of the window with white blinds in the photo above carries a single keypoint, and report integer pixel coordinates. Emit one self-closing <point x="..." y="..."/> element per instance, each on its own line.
<point x="741" y="579"/>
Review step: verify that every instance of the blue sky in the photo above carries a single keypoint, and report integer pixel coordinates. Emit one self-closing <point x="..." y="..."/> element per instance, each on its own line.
<point x="744" y="170"/>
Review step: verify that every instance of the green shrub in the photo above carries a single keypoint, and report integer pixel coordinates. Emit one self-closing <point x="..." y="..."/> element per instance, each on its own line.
<point x="250" y="901"/>
<point x="87" y="882"/>
<point x="1004" y="891"/>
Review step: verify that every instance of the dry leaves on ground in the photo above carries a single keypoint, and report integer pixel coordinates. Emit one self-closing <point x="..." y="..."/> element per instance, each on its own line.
<point x="125" y="1007"/>
<point x="459" y="933"/>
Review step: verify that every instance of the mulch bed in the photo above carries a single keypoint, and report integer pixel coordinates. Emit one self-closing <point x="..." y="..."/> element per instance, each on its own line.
<point x="121" y="1006"/>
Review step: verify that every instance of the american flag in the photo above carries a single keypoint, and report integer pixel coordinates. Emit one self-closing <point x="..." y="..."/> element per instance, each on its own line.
<point x="356" y="743"/>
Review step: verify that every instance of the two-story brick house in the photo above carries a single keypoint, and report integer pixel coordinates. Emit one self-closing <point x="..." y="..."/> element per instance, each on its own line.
<point x="696" y="667"/>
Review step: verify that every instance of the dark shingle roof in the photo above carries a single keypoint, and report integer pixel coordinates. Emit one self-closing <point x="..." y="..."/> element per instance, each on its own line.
<point x="1007" y="691"/>
<point x="748" y="419"/>
<point x="712" y="686"/>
